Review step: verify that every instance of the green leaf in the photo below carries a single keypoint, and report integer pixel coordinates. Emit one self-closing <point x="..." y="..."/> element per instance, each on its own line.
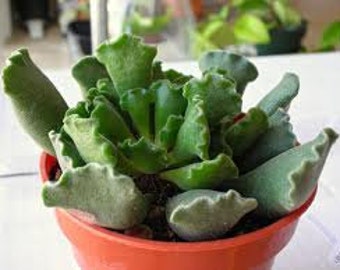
<point x="285" y="182"/>
<point x="66" y="152"/>
<point x="110" y="123"/>
<point x="137" y="102"/>
<point x="193" y="137"/>
<point x="38" y="105"/>
<point x="199" y="215"/>
<point x="244" y="133"/>
<point x="176" y="77"/>
<point x="251" y="29"/>
<point x="288" y="16"/>
<point x="276" y="140"/>
<point x="94" y="146"/>
<point x="282" y="95"/>
<point x="144" y="155"/>
<point x="168" y="101"/>
<point x="237" y="67"/>
<point x="157" y="72"/>
<point x="128" y="62"/>
<point x="219" y="96"/>
<point x="207" y="174"/>
<point x="331" y="36"/>
<point x="87" y="71"/>
<point x="106" y="88"/>
<point x="113" y="199"/>
<point x="168" y="134"/>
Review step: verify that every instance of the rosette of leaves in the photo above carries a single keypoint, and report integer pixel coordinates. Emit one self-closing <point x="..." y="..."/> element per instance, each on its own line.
<point x="146" y="141"/>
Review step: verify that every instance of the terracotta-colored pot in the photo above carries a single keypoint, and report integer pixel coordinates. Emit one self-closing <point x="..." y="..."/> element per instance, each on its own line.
<point x="96" y="248"/>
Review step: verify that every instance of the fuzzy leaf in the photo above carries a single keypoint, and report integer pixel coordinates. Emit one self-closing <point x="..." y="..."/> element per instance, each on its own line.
<point x="168" y="101"/>
<point x="157" y="72"/>
<point x="87" y="71"/>
<point x="176" y="77"/>
<point x="113" y="199"/>
<point x="199" y="215"/>
<point x="93" y="146"/>
<point x="168" y="134"/>
<point x="281" y="95"/>
<point x="128" y="62"/>
<point x="66" y="152"/>
<point x="276" y="140"/>
<point x="243" y="134"/>
<point x="285" y="182"/>
<point x="138" y="103"/>
<point x="145" y="156"/>
<point x="236" y="66"/>
<point x="193" y="137"/>
<point x="105" y="87"/>
<point x="219" y="96"/>
<point x="111" y="123"/>
<point x="24" y="82"/>
<point x="206" y="174"/>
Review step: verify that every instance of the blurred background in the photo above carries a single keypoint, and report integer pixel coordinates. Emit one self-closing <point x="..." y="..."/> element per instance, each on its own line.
<point x="58" y="32"/>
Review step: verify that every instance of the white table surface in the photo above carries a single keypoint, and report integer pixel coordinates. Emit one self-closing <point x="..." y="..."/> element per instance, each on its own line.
<point x="30" y="238"/>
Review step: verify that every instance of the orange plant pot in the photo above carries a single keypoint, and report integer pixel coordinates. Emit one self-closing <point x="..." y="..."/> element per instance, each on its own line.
<point x="96" y="248"/>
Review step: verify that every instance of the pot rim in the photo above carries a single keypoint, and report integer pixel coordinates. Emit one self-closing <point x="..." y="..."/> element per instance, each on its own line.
<point x="233" y="242"/>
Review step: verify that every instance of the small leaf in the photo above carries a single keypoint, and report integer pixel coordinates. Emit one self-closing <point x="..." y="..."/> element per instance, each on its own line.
<point x="138" y="103"/>
<point x="237" y="67"/>
<point x="94" y="146"/>
<point x="157" y="72"/>
<point x="87" y="71"/>
<point x="251" y="29"/>
<point x="113" y="199"/>
<point x="128" y="62"/>
<point x="199" y="215"/>
<point x="168" y="101"/>
<point x="176" y="77"/>
<point x="193" y="137"/>
<point x="219" y="96"/>
<point x="105" y="87"/>
<point x="282" y="95"/>
<point x="66" y="152"/>
<point x="286" y="181"/>
<point x="276" y="140"/>
<point x="23" y="81"/>
<point x="243" y="134"/>
<point x="206" y="174"/>
<point x="168" y="134"/>
<point x="145" y="156"/>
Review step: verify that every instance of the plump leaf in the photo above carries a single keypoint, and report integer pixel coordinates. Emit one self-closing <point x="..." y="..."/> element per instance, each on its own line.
<point x="157" y="71"/>
<point x="176" y="77"/>
<point x="277" y="139"/>
<point x="205" y="174"/>
<point x="237" y="67"/>
<point x="243" y="134"/>
<point x="168" y="101"/>
<point x="166" y="137"/>
<point x="219" y="96"/>
<point x="66" y="152"/>
<point x="113" y="199"/>
<point x="285" y="182"/>
<point x="110" y="122"/>
<point x="199" y="215"/>
<point x="251" y="29"/>
<point x="105" y="87"/>
<point x="94" y="146"/>
<point x="23" y="81"/>
<point x="282" y="95"/>
<point x="193" y="137"/>
<point x="87" y="71"/>
<point x="137" y="102"/>
<point x="128" y="62"/>
<point x="144" y="155"/>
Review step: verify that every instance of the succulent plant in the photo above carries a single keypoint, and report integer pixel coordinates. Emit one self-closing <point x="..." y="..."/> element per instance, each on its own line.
<point x="148" y="141"/>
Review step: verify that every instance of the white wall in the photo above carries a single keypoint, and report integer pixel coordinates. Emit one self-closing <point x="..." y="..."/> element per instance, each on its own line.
<point x="5" y="20"/>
